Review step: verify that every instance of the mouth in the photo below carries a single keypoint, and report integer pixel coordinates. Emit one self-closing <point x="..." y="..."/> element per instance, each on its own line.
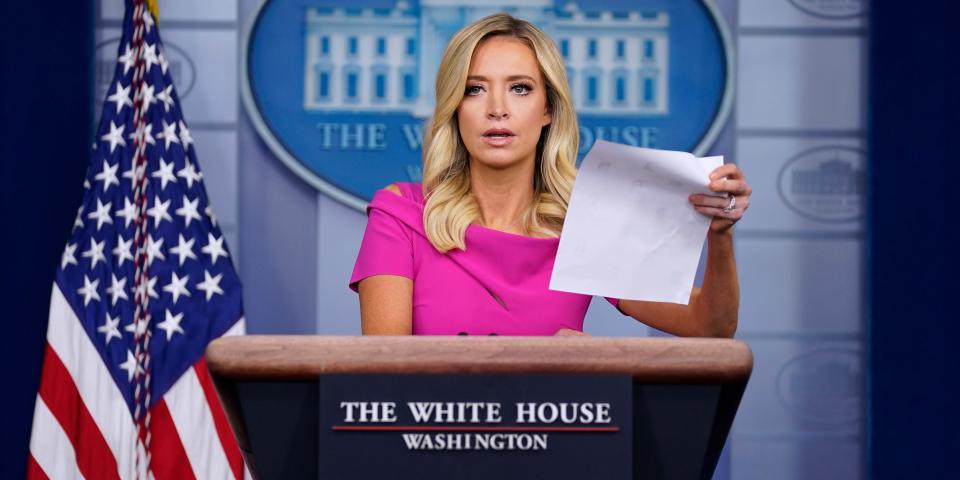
<point x="498" y="137"/>
<point x="499" y="133"/>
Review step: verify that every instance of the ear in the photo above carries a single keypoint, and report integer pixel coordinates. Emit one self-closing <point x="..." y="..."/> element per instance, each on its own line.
<point x="547" y="116"/>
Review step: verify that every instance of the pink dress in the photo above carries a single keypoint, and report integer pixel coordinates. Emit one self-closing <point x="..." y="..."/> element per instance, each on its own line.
<point x="498" y="286"/>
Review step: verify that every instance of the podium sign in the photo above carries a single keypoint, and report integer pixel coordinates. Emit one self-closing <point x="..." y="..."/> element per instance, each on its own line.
<point x="451" y="407"/>
<point x="476" y="426"/>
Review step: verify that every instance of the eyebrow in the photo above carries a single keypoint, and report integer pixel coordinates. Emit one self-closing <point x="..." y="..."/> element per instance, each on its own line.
<point x="509" y="79"/>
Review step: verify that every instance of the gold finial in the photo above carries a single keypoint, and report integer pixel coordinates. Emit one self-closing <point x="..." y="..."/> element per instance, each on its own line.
<point x="154" y="10"/>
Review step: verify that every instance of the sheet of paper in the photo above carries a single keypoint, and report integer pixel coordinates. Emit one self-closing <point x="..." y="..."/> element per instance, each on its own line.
<point x="630" y="231"/>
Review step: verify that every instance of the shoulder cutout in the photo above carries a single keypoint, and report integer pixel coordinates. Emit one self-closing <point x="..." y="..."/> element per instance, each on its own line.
<point x="393" y="188"/>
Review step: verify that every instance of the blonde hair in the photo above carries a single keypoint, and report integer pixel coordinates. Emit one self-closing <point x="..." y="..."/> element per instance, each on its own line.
<point x="450" y="206"/>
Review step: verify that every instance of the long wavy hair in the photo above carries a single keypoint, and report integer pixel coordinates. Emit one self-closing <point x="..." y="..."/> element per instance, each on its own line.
<point x="450" y="205"/>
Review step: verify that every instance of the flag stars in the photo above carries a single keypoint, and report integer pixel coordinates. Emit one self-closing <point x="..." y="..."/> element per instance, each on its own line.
<point x="89" y="290"/>
<point x="149" y="54"/>
<point x="78" y="221"/>
<point x="102" y="214"/>
<point x="164" y="64"/>
<point x="127" y="59"/>
<point x="144" y="134"/>
<point x="109" y="328"/>
<point x="154" y="250"/>
<point x="214" y="248"/>
<point x="209" y="212"/>
<point x="131" y="366"/>
<point x="95" y="253"/>
<point x="108" y="175"/>
<point x="147" y="98"/>
<point x="159" y="211"/>
<point x="115" y="137"/>
<point x="184" y="249"/>
<point x="68" y="257"/>
<point x="150" y="289"/>
<point x="171" y="324"/>
<point x="190" y="174"/>
<point x="133" y="173"/>
<point x="189" y="210"/>
<point x="137" y="328"/>
<point x="147" y="20"/>
<point x="164" y="173"/>
<point x="177" y="286"/>
<point x="121" y="97"/>
<point x="123" y="250"/>
<point x="210" y="285"/>
<point x="185" y="138"/>
<point x="117" y="289"/>
<point x="166" y="96"/>
<point x="169" y="134"/>
<point x="128" y="212"/>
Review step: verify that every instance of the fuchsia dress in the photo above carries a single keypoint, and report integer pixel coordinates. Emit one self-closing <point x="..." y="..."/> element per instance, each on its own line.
<point x="497" y="286"/>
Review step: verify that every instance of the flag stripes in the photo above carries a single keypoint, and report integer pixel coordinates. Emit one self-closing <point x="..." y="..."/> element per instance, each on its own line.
<point x="168" y="459"/>
<point x="59" y="394"/>
<point x="188" y="428"/>
<point x="93" y="382"/>
<point x="50" y="447"/>
<point x="220" y="422"/>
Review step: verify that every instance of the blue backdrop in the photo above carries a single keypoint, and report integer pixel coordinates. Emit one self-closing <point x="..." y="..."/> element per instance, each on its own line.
<point x="914" y="429"/>
<point x="45" y="136"/>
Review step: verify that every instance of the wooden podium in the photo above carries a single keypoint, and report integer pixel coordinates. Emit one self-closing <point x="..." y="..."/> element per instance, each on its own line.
<point x="685" y="390"/>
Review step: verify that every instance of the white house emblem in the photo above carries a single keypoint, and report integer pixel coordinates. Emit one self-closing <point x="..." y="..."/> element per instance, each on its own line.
<point x="340" y="91"/>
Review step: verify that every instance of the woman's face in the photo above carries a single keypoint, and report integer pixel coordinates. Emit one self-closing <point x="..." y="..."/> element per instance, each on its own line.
<point x="504" y="106"/>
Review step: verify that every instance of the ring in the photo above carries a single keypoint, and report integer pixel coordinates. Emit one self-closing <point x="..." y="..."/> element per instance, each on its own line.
<point x="729" y="207"/>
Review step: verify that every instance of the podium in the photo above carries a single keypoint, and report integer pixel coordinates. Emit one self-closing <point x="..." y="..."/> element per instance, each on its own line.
<point x="684" y="391"/>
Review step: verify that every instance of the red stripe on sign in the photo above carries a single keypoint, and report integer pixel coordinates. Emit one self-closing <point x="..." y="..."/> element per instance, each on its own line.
<point x="464" y="428"/>
<point x="227" y="439"/>
<point x="34" y="472"/>
<point x="59" y="392"/>
<point x="167" y="456"/>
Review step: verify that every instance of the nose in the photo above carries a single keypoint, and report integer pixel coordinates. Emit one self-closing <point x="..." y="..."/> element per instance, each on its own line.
<point x="496" y="107"/>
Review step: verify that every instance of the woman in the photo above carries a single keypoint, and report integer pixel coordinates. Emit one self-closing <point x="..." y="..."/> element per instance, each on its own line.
<point x="471" y="250"/>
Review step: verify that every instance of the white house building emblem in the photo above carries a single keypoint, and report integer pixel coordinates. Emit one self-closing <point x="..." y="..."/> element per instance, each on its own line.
<point x="341" y="91"/>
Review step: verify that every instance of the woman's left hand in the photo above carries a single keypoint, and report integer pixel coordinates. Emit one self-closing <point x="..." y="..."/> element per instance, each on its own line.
<point x="725" y="211"/>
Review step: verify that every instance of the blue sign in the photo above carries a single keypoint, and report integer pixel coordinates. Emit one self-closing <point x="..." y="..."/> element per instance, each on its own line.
<point x="341" y="91"/>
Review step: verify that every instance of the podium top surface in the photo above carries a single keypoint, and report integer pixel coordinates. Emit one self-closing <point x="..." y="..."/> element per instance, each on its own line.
<point x="653" y="360"/>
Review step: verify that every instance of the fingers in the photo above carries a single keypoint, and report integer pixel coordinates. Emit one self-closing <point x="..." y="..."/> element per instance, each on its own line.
<point x="729" y="178"/>
<point x="726" y="185"/>
<point x="720" y="202"/>
<point x="710" y="200"/>
<point x="730" y="170"/>
<point x="713" y="205"/>
<point x="734" y="215"/>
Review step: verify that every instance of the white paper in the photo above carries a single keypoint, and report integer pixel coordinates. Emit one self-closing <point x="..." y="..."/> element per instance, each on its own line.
<point x="630" y="230"/>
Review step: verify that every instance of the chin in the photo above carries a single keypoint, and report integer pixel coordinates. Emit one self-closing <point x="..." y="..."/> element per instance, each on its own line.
<point x="499" y="160"/>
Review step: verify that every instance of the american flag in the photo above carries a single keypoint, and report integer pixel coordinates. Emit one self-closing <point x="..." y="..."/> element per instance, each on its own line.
<point x="144" y="284"/>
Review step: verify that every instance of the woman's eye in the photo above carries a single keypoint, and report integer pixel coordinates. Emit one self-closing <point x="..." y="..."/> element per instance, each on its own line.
<point x="474" y="89"/>
<point x="521" y="88"/>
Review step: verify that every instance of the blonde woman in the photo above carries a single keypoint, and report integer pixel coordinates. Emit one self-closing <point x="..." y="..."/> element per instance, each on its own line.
<point x="470" y="251"/>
